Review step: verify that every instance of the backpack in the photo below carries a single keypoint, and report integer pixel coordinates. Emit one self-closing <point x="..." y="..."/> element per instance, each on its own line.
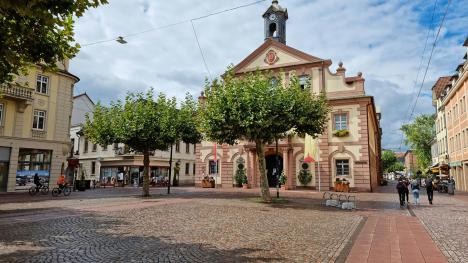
<point x="400" y="186"/>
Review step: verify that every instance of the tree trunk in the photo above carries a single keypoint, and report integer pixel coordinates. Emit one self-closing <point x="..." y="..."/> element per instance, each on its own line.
<point x="146" y="173"/>
<point x="265" y="190"/>
<point x="170" y="169"/>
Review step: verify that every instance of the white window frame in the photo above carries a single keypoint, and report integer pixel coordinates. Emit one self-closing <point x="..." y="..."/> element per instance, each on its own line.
<point x="342" y="123"/>
<point x="42" y="82"/>
<point x="36" y="117"/>
<point x="342" y="167"/>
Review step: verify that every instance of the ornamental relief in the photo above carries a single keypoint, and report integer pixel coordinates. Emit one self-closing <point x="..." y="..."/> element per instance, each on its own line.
<point x="271" y="57"/>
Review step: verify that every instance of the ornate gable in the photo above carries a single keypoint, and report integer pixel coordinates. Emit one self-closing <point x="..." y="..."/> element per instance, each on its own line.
<point x="273" y="54"/>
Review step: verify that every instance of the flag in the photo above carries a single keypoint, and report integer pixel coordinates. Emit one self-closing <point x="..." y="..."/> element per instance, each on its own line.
<point x="310" y="149"/>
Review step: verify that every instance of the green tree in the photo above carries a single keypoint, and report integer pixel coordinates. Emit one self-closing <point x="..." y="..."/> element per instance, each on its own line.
<point x="38" y="31"/>
<point x="256" y="108"/>
<point x="419" y="135"/>
<point x="143" y="123"/>
<point x="388" y="159"/>
<point x="396" y="167"/>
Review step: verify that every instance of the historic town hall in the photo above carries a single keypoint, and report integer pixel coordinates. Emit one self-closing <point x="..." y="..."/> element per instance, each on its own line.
<point x="348" y="149"/>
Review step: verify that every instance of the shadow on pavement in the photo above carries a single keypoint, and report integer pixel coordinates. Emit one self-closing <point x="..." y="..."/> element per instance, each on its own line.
<point x="96" y="239"/>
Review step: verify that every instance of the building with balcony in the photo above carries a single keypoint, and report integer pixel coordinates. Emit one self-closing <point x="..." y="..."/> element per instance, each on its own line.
<point x="454" y="100"/>
<point x="117" y="164"/>
<point x="35" y="112"/>
<point x="439" y="151"/>
<point x="349" y="148"/>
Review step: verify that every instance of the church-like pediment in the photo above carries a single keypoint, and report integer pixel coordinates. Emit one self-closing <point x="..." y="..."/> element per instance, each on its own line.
<point x="273" y="54"/>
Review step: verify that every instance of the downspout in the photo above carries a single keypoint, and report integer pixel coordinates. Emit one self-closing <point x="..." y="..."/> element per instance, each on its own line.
<point x="368" y="146"/>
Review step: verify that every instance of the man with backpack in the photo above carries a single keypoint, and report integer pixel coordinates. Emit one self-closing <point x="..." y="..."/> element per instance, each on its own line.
<point x="429" y="189"/>
<point x="401" y="191"/>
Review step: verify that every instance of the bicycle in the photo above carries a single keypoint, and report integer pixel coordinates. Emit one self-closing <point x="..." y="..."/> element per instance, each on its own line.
<point x="33" y="190"/>
<point x="66" y="191"/>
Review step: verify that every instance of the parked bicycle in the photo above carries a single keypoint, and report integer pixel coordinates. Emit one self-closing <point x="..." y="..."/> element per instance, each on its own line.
<point x="33" y="190"/>
<point x="66" y="191"/>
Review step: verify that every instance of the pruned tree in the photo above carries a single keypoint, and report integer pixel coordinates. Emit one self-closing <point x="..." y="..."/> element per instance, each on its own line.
<point x="141" y="122"/>
<point x="38" y="31"/>
<point x="419" y="135"/>
<point x="256" y="107"/>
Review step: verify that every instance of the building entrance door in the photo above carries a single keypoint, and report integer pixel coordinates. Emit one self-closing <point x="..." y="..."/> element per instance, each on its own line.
<point x="4" y="165"/>
<point x="272" y="172"/>
<point x="3" y="176"/>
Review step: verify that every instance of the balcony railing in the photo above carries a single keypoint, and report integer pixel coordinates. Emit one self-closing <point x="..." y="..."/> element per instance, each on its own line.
<point x="10" y="90"/>
<point x="38" y="134"/>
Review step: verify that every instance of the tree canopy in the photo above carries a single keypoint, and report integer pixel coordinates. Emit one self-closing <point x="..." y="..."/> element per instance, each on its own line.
<point x="144" y="124"/>
<point x="257" y="107"/>
<point x="419" y="135"/>
<point x="38" y="31"/>
<point x="388" y="159"/>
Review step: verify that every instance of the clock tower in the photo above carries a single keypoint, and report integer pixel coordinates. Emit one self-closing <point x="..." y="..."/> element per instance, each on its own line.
<point x="275" y="22"/>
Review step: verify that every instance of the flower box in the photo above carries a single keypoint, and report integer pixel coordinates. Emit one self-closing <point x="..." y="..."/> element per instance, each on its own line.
<point x="341" y="133"/>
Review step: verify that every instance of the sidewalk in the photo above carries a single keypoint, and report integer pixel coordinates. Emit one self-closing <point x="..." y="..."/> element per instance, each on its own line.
<point x="391" y="234"/>
<point x="394" y="238"/>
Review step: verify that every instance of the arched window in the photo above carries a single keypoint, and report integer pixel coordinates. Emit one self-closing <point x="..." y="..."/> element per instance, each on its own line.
<point x="304" y="82"/>
<point x="273" y="31"/>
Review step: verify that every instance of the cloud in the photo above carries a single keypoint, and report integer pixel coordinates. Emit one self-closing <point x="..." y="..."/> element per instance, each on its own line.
<point x="383" y="39"/>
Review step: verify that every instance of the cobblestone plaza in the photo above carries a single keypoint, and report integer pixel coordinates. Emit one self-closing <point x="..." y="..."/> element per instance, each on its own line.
<point x="198" y="225"/>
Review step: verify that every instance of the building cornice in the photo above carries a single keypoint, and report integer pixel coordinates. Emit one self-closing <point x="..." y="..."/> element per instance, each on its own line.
<point x="458" y="84"/>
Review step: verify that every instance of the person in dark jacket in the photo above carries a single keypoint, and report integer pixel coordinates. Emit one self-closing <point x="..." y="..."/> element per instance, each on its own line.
<point x="37" y="181"/>
<point x="401" y="191"/>
<point x="429" y="190"/>
<point x="407" y="183"/>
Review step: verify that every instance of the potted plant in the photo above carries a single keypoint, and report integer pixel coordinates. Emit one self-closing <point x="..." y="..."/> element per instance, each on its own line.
<point x="338" y="185"/>
<point x="304" y="175"/>
<point x="81" y="184"/>
<point x="345" y="185"/>
<point x="245" y="182"/>
<point x="282" y="180"/>
<point x="341" y="133"/>
<point x="239" y="175"/>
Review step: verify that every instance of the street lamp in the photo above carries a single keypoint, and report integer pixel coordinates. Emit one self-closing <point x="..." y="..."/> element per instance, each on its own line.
<point x="121" y="40"/>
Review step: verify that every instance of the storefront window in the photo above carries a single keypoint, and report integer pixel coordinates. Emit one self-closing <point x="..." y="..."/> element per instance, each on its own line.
<point x="30" y="162"/>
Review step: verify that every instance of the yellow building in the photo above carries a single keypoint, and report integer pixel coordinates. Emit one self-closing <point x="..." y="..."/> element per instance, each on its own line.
<point x="349" y="148"/>
<point x="35" y="112"/>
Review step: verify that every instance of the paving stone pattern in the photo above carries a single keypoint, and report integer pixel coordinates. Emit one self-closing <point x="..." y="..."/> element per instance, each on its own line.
<point x="173" y="230"/>
<point x="447" y="223"/>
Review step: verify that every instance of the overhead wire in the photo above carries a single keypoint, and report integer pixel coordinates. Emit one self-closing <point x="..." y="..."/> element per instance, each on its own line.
<point x="434" y="44"/>
<point x="201" y="51"/>
<point x="174" y="24"/>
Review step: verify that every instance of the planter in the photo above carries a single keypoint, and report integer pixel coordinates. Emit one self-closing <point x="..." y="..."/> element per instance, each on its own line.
<point x="207" y="183"/>
<point x="80" y="185"/>
<point x="338" y="187"/>
<point x="345" y="188"/>
<point x="245" y="186"/>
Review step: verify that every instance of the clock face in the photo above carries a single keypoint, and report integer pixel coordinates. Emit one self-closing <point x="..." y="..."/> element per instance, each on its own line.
<point x="272" y="17"/>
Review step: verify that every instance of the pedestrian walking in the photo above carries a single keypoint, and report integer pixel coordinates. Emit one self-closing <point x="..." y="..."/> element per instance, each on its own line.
<point x="406" y="183"/>
<point x="429" y="190"/>
<point x="401" y="191"/>
<point x="415" y="191"/>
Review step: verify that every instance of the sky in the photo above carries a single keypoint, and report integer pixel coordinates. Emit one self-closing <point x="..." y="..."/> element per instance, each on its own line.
<point x="385" y="40"/>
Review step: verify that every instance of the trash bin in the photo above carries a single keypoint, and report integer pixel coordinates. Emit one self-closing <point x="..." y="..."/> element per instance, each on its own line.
<point x="450" y="188"/>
